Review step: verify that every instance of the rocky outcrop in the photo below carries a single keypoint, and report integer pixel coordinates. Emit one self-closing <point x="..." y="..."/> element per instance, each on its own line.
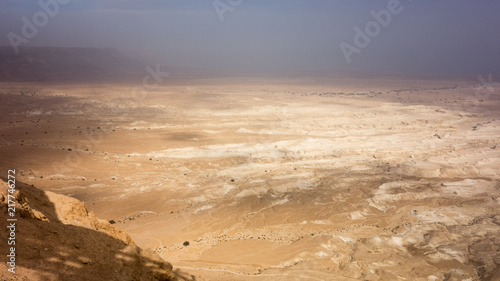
<point x="56" y="238"/>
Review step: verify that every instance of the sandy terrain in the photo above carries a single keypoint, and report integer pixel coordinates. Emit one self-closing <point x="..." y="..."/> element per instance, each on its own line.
<point x="300" y="179"/>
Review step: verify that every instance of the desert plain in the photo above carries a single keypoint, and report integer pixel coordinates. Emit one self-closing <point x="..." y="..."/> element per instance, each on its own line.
<point x="322" y="178"/>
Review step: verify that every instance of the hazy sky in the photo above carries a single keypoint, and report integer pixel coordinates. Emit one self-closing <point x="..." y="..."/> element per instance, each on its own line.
<point x="458" y="37"/>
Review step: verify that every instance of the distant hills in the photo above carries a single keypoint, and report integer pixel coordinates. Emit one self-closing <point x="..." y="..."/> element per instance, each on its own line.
<point x="58" y="64"/>
<point x="55" y="64"/>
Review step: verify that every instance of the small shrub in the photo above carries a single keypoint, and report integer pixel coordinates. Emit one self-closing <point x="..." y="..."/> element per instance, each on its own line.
<point x="186" y="243"/>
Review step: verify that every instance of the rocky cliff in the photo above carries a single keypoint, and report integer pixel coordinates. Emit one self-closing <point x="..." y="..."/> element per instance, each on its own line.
<point x="56" y="238"/>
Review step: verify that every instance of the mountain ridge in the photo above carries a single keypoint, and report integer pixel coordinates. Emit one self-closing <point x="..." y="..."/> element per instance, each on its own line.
<point x="55" y="64"/>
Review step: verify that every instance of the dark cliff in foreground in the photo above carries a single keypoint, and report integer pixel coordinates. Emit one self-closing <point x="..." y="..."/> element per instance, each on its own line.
<point x="56" y="238"/>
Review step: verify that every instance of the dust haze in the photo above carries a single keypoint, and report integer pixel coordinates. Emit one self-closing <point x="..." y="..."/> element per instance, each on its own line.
<point x="250" y="140"/>
<point x="426" y="37"/>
